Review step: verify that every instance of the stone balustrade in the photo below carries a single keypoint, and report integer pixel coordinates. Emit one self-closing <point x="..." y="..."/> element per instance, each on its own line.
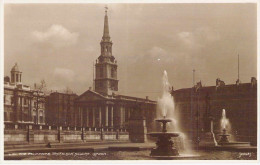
<point x="32" y="134"/>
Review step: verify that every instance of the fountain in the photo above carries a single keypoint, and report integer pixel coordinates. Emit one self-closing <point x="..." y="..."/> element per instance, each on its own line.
<point x="165" y="147"/>
<point x="164" y="143"/>
<point x="224" y="137"/>
<point x="224" y="123"/>
<point x="224" y="141"/>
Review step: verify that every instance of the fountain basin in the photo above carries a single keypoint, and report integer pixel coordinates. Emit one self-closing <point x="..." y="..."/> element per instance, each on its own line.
<point x="163" y="120"/>
<point x="164" y="134"/>
<point x="224" y="138"/>
<point x="182" y="156"/>
<point x="234" y="144"/>
<point x="224" y="135"/>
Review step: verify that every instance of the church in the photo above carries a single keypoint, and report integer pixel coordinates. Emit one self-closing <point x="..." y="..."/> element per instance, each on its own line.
<point x="103" y="106"/>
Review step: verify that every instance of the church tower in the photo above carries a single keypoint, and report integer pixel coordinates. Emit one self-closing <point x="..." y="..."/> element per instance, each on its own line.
<point x="106" y="81"/>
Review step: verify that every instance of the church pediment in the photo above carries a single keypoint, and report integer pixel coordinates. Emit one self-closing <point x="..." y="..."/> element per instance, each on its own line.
<point x="90" y="96"/>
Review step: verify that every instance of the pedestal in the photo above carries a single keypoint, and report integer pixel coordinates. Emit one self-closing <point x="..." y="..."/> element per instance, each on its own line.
<point x="208" y="139"/>
<point x="164" y="147"/>
<point x="137" y="130"/>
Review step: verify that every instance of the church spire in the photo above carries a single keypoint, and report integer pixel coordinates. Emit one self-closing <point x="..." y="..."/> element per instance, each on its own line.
<point x="106" y="36"/>
<point x="106" y="81"/>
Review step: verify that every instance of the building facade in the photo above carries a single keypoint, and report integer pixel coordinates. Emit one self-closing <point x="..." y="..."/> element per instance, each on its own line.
<point x="239" y="101"/>
<point x="21" y="103"/>
<point x="60" y="109"/>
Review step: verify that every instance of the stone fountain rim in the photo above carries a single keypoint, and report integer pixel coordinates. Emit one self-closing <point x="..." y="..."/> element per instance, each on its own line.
<point x="163" y="119"/>
<point x="156" y="134"/>
<point x="177" y="156"/>
<point x="223" y="134"/>
<point x="165" y="133"/>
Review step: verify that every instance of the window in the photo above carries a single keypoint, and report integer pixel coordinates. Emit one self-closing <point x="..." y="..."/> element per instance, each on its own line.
<point x="12" y="100"/>
<point x="25" y="101"/>
<point x="101" y="72"/>
<point x="11" y="116"/>
<point x="5" y="116"/>
<point x="16" y="78"/>
<point x="112" y="72"/>
<point x="12" y="79"/>
<point x="41" y="119"/>
<point x="4" y="99"/>
<point x="34" y="112"/>
<point x="34" y="104"/>
<point x="34" y="119"/>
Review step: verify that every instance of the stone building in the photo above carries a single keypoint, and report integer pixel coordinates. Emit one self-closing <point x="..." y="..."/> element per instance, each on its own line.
<point x="21" y="103"/>
<point x="239" y="100"/>
<point x="60" y="109"/>
<point x="103" y="106"/>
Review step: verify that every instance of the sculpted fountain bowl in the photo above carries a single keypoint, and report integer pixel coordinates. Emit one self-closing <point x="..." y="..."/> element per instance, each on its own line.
<point x="165" y="134"/>
<point x="164" y="131"/>
<point x="165" y="148"/>
<point x="164" y="145"/>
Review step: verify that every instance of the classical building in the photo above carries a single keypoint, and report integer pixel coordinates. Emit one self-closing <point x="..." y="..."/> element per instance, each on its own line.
<point x="60" y="109"/>
<point x="21" y="103"/>
<point x="239" y="100"/>
<point x="103" y="106"/>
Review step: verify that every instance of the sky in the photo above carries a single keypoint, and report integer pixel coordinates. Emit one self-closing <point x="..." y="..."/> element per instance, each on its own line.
<point x="60" y="42"/>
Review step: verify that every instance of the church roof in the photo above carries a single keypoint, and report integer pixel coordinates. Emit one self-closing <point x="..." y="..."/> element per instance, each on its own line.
<point x="136" y="99"/>
<point x="90" y="95"/>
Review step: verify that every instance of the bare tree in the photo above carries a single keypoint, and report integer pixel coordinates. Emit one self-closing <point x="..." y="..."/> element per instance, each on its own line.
<point x="68" y="90"/>
<point x="42" y="86"/>
<point x="39" y="90"/>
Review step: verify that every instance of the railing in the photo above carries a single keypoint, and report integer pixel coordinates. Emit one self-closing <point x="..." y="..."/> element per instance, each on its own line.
<point x="24" y="126"/>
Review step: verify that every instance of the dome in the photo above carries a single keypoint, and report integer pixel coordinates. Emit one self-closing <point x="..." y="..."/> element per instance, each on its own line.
<point x="15" y="68"/>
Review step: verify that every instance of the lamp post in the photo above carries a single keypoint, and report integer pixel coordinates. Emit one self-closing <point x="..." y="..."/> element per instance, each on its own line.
<point x="101" y="132"/>
<point x="198" y="137"/>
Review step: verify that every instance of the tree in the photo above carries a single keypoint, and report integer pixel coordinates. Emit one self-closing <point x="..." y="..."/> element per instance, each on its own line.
<point x="42" y="86"/>
<point x="68" y="90"/>
<point x="38" y="94"/>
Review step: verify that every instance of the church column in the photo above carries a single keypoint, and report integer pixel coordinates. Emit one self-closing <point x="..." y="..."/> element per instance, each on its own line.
<point x="112" y="116"/>
<point x="121" y="116"/>
<point x="100" y="117"/>
<point x="129" y="115"/>
<point x="29" y="109"/>
<point x="81" y="116"/>
<point x="106" y="115"/>
<point x="87" y="115"/>
<point x="126" y="114"/>
<point x="93" y="115"/>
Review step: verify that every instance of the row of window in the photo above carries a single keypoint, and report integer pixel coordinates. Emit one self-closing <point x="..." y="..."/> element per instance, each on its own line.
<point x="25" y="116"/>
<point x="25" y="101"/>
